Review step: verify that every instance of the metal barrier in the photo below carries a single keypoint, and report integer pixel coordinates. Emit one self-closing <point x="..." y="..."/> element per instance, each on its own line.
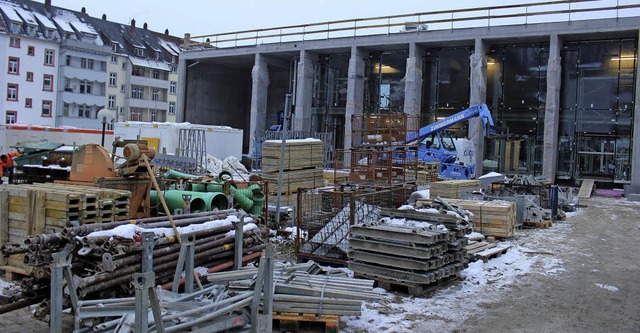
<point x="326" y="215"/>
<point x="328" y="147"/>
<point x="517" y="14"/>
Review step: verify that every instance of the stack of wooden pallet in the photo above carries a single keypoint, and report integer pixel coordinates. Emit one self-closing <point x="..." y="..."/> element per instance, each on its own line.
<point x="27" y="210"/>
<point x="413" y="255"/>
<point x="490" y="218"/>
<point x="302" y="166"/>
<point x="453" y="188"/>
<point x="428" y="172"/>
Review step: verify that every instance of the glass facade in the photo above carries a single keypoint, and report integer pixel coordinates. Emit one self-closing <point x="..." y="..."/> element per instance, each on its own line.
<point x="445" y="88"/>
<point x="384" y="86"/>
<point x="596" y="109"/>
<point x="516" y="96"/>
<point x="329" y="98"/>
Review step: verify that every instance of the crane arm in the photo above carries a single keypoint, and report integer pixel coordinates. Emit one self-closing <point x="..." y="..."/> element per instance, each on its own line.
<point x="480" y="110"/>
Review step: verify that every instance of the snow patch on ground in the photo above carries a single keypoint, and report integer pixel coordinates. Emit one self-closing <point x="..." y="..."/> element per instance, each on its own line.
<point x="607" y="287"/>
<point x="481" y="283"/>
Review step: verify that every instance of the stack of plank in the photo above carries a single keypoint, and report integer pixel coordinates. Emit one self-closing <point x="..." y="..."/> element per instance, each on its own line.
<point x="428" y="172"/>
<point x="490" y="218"/>
<point x="453" y="188"/>
<point x="27" y="210"/>
<point x="302" y="166"/>
<point x="410" y="254"/>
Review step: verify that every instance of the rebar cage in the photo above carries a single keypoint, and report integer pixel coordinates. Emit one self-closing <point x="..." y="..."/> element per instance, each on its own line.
<point x="324" y="216"/>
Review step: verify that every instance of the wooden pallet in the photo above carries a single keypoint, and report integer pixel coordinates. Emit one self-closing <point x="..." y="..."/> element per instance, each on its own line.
<point x="291" y="322"/>
<point x="482" y="250"/>
<point x="539" y="225"/>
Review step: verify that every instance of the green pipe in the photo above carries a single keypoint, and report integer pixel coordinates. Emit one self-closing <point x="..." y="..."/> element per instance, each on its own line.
<point x="211" y="200"/>
<point x="255" y="188"/>
<point x="172" y="174"/>
<point x="245" y="191"/>
<point x="258" y="204"/>
<point x="175" y="201"/>
<point x="241" y="200"/>
<point x="198" y="187"/>
<point x="215" y="187"/>
<point x="224" y="173"/>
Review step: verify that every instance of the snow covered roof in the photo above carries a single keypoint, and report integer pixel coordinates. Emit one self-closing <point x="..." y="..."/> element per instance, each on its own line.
<point x="9" y="10"/>
<point x="150" y="63"/>
<point x="26" y="16"/>
<point x="45" y="21"/>
<point x="170" y="47"/>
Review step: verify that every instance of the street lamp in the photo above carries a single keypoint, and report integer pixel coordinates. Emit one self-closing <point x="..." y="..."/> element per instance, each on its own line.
<point x="106" y="116"/>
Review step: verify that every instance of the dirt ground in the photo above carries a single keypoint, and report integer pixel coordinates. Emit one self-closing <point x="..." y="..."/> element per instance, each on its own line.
<point x="587" y="280"/>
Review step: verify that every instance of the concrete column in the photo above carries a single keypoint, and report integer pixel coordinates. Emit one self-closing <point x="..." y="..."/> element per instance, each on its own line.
<point x="304" y="92"/>
<point x="633" y="191"/>
<point x="552" y="110"/>
<point x="478" y="95"/>
<point x="355" y="92"/>
<point x="181" y="90"/>
<point x="259" y="90"/>
<point x="413" y="80"/>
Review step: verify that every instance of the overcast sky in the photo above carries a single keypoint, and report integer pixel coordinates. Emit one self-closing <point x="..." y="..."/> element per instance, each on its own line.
<point x="203" y="17"/>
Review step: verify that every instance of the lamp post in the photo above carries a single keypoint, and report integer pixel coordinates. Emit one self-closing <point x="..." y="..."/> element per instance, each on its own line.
<point x="105" y="116"/>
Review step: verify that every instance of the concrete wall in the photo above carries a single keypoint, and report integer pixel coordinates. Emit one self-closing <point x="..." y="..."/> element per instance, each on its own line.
<point x="219" y="96"/>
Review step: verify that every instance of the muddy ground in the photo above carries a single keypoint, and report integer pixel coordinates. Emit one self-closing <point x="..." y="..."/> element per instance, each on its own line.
<point x="585" y="278"/>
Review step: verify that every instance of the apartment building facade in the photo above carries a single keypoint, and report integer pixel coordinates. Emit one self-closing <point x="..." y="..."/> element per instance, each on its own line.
<point x="86" y="64"/>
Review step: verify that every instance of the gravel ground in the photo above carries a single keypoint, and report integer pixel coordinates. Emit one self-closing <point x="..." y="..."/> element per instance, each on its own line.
<point x="581" y="275"/>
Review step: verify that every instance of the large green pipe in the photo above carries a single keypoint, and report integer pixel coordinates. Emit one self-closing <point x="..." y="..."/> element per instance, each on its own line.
<point x="172" y="174"/>
<point x="210" y="200"/>
<point x="174" y="201"/>
<point x="242" y="201"/>
<point x="258" y="204"/>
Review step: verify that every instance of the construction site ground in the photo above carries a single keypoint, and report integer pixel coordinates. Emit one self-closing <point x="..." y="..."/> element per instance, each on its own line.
<point x="581" y="275"/>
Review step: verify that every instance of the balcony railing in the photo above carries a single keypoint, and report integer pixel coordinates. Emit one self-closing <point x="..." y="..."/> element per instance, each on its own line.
<point x="519" y="14"/>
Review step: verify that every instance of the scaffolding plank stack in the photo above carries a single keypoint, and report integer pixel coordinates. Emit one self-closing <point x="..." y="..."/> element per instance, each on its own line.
<point x="302" y="166"/>
<point x="35" y="209"/>
<point x="490" y="218"/>
<point x="453" y="188"/>
<point x="414" y="255"/>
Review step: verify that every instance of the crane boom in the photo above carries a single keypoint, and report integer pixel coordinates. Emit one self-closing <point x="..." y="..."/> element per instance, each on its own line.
<point x="480" y="110"/>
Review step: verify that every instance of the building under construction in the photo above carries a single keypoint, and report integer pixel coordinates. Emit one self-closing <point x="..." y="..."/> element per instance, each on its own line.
<point x="561" y="76"/>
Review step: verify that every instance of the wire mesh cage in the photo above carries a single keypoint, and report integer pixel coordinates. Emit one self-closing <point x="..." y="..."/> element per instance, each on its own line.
<point x="378" y="167"/>
<point x="325" y="215"/>
<point x="388" y="129"/>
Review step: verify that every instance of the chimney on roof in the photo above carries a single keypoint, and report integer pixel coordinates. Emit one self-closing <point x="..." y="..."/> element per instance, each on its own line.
<point x="83" y="10"/>
<point x="104" y="17"/>
<point x="133" y="26"/>
<point x="187" y="38"/>
<point x="47" y="5"/>
<point x="144" y="26"/>
<point x="166" y="32"/>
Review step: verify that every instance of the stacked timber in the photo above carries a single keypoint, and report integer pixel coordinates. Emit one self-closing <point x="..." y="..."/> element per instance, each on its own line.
<point x="32" y="210"/>
<point x="302" y="166"/>
<point x="409" y="253"/>
<point x="490" y="218"/>
<point x="453" y="188"/>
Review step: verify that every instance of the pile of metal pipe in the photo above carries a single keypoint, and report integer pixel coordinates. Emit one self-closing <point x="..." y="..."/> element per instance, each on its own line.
<point x="103" y="258"/>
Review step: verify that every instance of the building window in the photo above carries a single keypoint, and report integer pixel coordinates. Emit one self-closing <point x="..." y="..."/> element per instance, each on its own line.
<point x="46" y="108"/>
<point x="113" y="78"/>
<point x="172" y="87"/>
<point x="136" y="92"/>
<point x="114" y="58"/>
<point x="31" y="50"/>
<point x="137" y="71"/>
<point x="85" y="87"/>
<point x="47" y="82"/>
<point x="122" y="88"/>
<point x="67" y="85"/>
<point x="121" y="110"/>
<point x="86" y="63"/>
<point x="139" y="52"/>
<point x="49" y="57"/>
<point x="68" y="60"/>
<point x="29" y="76"/>
<point x="112" y="102"/>
<point x="28" y="103"/>
<point x="12" y="92"/>
<point x="154" y="115"/>
<point x="14" y="42"/>
<point x="11" y="117"/>
<point x="135" y="115"/>
<point x="84" y="111"/>
<point x="172" y="108"/>
<point x="124" y="65"/>
<point x="156" y="74"/>
<point x="174" y="69"/>
<point x="157" y="55"/>
<point x="14" y="66"/>
<point x="174" y="59"/>
<point x="155" y="94"/>
<point x="114" y="47"/>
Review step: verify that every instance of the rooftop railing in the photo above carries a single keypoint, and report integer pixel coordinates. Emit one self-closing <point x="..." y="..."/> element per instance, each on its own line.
<point x="517" y="14"/>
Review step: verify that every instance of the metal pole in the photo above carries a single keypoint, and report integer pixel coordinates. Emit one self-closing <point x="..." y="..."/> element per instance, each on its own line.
<point x="283" y="133"/>
<point x="60" y="262"/>
<point x="147" y="251"/>
<point x="237" y="258"/>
